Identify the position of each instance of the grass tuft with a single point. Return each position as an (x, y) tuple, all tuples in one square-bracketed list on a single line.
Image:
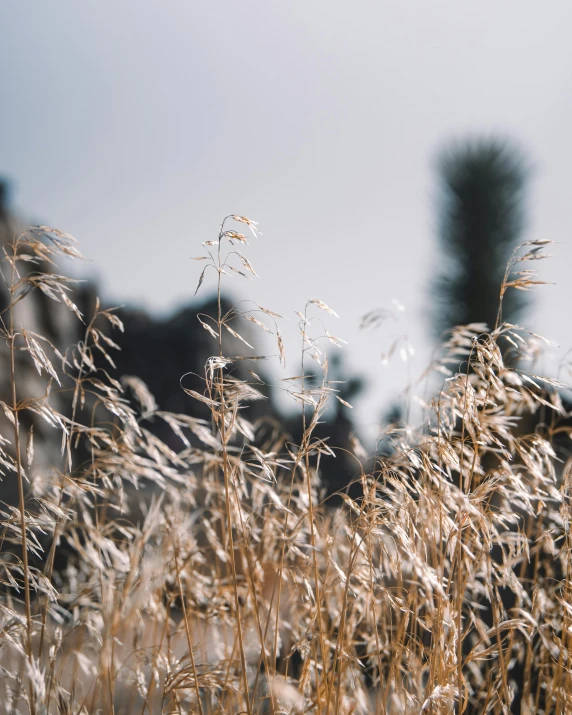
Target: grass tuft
[(215, 579)]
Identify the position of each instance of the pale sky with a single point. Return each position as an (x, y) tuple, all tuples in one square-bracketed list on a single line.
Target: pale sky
[(137, 125)]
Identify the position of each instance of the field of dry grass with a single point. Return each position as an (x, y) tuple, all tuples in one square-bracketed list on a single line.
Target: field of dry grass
[(215, 579)]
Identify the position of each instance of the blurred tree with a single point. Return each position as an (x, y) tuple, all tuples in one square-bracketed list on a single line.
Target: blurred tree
[(481, 220)]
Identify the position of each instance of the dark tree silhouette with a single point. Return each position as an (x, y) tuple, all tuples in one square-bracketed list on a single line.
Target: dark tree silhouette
[(482, 187)]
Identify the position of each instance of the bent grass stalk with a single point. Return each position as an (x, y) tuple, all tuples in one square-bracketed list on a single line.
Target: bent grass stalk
[(13, 334)]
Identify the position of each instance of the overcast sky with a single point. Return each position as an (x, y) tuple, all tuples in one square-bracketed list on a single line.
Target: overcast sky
[(137, 125)]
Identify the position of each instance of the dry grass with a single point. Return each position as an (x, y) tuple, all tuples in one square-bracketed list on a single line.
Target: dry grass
[(214, 580)]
